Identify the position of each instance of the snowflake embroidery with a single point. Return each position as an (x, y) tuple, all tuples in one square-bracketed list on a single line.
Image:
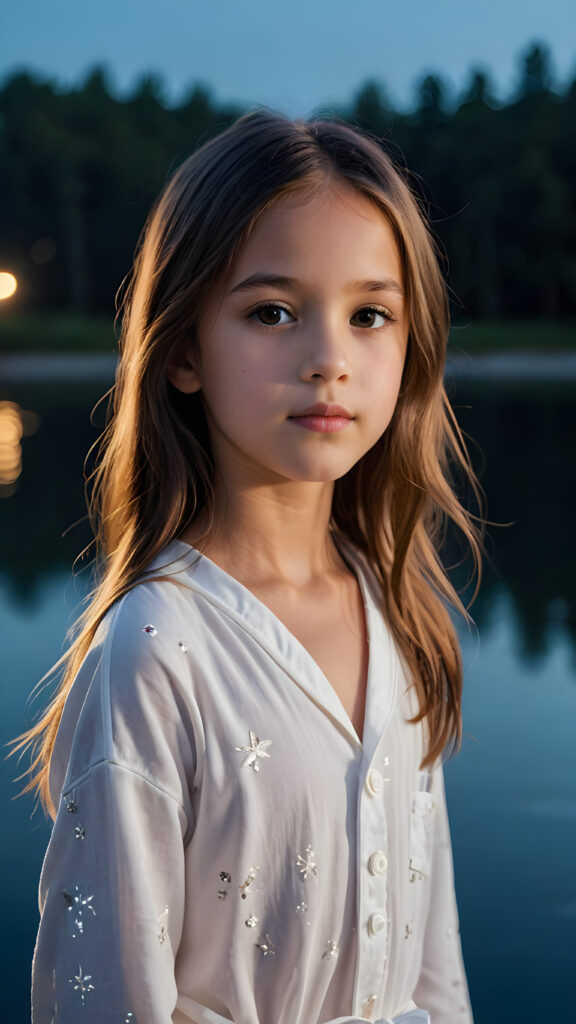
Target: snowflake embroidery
[(248, 881), (307, 864), (83, 983), (162, 924), (266, 948), (257, 749), (415, 873), (80, 904), (331, 950)]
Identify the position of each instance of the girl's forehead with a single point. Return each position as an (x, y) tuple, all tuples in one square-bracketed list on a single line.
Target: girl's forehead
[(330, 233), (302, 202), (334, 224)]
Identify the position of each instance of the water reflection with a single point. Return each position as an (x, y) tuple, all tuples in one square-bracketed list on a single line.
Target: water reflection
[(14, 424), (526, 438), (524, 451)]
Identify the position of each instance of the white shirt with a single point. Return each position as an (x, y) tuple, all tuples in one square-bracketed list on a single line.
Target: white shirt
[(225, 847)]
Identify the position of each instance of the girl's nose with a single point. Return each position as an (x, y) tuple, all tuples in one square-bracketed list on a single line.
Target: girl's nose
[(325, 357)]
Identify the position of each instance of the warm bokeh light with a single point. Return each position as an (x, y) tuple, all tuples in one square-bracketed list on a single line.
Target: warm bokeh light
[(10, 450), (8, 284), (14, 424)]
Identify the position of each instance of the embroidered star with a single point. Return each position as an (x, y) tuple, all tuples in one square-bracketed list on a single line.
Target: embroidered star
[(162, 924), (307, 864), (82, 983), (331, 950), (267, 948), (244, 887), (79, 903), (257, 749)]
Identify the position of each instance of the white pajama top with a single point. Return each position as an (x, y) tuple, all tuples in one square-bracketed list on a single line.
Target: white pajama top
[(225, 847)]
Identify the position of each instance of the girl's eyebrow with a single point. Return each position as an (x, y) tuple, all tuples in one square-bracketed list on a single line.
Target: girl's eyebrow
[(263, 280)]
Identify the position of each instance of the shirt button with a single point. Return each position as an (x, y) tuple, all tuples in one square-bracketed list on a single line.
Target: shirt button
[(376, 923), (377, 863), (374, 782)]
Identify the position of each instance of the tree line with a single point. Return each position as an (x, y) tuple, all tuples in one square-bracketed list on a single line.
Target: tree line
[(80, 169)]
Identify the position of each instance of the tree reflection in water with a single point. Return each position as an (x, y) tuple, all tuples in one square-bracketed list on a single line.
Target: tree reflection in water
[(523, 447)]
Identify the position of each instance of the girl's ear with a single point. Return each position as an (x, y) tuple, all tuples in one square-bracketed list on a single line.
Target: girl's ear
[(183, 375)]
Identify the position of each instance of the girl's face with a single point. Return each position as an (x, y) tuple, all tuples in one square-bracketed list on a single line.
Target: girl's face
[(300, 355)]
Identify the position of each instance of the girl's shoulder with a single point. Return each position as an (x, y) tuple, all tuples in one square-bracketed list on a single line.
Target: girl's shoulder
[(132, 702)]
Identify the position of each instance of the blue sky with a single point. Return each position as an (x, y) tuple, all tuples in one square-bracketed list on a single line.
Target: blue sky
[(296, 56)]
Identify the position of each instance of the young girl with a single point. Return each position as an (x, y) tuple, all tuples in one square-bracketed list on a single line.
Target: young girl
[(244, 757)]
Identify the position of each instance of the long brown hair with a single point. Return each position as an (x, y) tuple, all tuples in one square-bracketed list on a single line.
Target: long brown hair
[(155, 470)]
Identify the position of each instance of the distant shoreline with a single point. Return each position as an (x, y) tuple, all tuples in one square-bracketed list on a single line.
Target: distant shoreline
[(36, 367), (54, 345)]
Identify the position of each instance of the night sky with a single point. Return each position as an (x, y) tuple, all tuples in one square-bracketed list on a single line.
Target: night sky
[(297, 56)]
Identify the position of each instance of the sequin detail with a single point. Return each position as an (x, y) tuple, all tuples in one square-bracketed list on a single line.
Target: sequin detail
[(129, 1018), (150, 630), (257, 749), (225, 876), (307, 865), (415, 874), (248, 881), (71, 807), (183, 647), (80, 832), (251, 921), (331, 950), (162, 923), (83, 983), (302, 907), (266, 948), (80, 904)]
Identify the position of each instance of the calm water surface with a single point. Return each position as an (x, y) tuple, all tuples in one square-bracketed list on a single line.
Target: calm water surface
[(512, 789)]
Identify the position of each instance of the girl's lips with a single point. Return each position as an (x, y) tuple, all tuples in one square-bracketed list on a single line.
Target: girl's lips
[(322, 418), (324, 409), (322, 424)]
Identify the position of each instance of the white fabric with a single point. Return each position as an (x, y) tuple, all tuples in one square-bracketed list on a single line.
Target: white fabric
[(178, 876)]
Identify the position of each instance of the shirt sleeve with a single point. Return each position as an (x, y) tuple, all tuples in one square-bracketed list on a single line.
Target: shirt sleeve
[(112, 889), (111, 899), (442, 988)]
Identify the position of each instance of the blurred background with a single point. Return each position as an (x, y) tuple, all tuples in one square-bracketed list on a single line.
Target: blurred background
[(97, 107)]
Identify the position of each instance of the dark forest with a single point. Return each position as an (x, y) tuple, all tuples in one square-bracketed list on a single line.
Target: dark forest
[(80, 169)]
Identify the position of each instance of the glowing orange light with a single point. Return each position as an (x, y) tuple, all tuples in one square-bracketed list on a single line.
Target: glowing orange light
[(15, 423), (10, 437), (8, 284)]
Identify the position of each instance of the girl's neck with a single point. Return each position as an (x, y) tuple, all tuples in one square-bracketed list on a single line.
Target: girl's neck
[(279, 534)]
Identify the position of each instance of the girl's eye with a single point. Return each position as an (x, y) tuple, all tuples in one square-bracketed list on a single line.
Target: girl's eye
[(272, 315), (370, 316)]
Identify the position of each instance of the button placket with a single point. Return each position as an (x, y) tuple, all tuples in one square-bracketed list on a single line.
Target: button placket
[(372, 894)]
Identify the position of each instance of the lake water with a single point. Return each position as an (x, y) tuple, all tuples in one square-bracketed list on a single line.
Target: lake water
[(512, 789)]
